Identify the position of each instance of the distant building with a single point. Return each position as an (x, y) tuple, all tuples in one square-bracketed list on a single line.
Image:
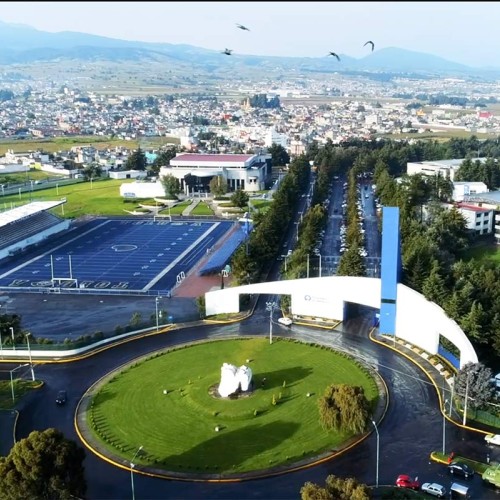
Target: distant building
[(462, 190), (447, 168), (479, 219), (240, 171)]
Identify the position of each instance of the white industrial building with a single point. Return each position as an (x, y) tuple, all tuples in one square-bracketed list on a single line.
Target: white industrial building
[(240, 171), (462, 190), (446, 168), (273, 137)]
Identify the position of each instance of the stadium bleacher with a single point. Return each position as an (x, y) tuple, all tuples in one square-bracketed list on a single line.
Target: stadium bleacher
[(15, 232), (221, 256)]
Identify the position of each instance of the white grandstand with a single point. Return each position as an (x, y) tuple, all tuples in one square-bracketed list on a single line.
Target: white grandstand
[(28, 225)]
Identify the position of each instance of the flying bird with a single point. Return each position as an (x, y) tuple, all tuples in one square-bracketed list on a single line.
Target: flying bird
[(369, 42), (228, 52), (244, 28), (334, 55)]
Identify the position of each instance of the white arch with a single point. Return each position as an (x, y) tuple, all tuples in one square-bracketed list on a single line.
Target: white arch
[(418, 320)]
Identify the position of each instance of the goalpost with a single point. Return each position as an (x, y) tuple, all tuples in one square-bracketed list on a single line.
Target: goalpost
[(57, 281)]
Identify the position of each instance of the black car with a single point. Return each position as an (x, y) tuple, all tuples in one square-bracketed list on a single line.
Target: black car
[(61, 398), (461, 469)]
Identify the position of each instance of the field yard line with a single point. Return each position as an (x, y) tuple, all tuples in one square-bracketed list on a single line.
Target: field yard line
[(52, 250), (158, 277)]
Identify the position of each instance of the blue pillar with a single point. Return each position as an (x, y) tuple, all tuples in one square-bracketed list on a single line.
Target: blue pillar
[(390, 269)]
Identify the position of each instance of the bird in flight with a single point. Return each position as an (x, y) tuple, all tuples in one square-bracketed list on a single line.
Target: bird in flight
[(244, 28), (369, 42), (334, 55), (228, 52)]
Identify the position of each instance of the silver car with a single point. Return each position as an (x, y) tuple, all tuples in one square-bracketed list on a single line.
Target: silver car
[(434, 489)]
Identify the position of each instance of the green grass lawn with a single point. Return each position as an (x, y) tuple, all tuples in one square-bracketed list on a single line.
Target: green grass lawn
[(261, 205), (483, 254), (103, 199), (178, 209), (177, 429), (21, 387), (202, 209)]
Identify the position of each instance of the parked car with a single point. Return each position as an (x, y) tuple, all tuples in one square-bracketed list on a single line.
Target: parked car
[(405, 481), (492, 439), (285, 321), (61, 398), (461, 469), (434, 489)]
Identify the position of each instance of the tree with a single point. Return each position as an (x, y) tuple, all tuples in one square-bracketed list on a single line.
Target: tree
[(279, 155), (92, 171), (43, 465), (171, 185), (137, 160), (351, 263), (240, 198), (336, 488), (475, 379), (344, 408), (163, 159), (218, 186)]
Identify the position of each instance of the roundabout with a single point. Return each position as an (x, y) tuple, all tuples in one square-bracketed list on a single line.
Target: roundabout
[(167, 403)]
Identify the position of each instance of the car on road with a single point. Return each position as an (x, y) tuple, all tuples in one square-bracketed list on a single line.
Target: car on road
[(492, 439), (405, 481), (461, 469), (61, 398), (434, 489), (285, 321)]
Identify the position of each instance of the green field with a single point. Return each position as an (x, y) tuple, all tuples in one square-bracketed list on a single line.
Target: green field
[(177, 429), (483, 254), (202, 209), (63, 143), (85, 198), (21, 387)]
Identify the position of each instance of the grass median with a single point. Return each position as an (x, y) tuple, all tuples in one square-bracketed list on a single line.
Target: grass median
[(168, 404)]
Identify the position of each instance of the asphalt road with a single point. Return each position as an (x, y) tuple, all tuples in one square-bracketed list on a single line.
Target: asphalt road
[(410, 431)]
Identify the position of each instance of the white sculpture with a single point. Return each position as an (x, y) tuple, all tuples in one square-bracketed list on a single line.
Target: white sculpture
[(232, 378)]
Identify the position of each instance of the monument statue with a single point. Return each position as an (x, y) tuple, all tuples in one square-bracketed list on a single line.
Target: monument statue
[(232, 379)]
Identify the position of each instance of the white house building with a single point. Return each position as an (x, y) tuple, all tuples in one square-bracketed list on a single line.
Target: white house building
[(240, 171), (479, 219)]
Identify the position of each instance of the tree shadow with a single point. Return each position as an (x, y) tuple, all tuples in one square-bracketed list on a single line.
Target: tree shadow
[(228, 449), (275, 379)]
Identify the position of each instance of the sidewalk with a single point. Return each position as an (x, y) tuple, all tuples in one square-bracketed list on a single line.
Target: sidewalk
[(187, 211)]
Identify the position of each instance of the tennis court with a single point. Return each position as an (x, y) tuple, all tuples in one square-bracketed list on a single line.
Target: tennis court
[(120, 256)]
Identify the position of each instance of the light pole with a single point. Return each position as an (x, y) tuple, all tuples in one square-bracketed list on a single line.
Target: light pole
[(13, 339), (319, 265), (378, 448), (132, 465), (29, 352), (157, 322), (444, 425), (1, 346), (11, 381), (466, 396), (270, 306)]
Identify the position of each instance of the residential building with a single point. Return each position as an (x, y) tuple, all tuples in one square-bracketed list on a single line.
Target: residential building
[(479, 219)]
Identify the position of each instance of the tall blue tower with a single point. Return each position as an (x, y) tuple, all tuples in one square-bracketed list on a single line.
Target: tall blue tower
[(390, 269)]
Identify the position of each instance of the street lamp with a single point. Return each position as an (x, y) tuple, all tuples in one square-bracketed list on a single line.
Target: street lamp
[(378, 448), (11, 381), (132, 465), (444, 425), (29, 352), (466, 396), (13, 339), (156, 302), (270, 306)]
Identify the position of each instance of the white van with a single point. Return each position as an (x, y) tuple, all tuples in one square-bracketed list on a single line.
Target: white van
[(460, 491)]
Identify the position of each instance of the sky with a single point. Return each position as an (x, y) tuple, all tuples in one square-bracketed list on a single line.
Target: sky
[(464, 32)]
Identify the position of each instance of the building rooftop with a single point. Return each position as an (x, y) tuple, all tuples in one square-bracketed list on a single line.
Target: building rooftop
[(215, 157), (472, 208), (19, 213)]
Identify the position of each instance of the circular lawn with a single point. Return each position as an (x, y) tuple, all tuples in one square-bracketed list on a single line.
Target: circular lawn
[(166, 404)]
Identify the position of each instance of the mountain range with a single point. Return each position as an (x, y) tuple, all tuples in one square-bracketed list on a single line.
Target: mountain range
[(21, 44)]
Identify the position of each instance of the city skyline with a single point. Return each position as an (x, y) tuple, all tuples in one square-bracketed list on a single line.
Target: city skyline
[(463, 32)]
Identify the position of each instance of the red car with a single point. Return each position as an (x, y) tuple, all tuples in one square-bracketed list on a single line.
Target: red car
[(405, 481)]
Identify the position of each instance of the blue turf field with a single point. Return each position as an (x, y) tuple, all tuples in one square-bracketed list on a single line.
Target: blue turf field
[(140, 255)]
